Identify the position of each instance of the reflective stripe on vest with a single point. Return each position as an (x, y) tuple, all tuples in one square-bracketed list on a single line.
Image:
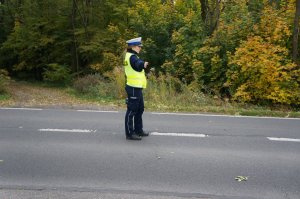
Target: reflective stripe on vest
[(134, 78)]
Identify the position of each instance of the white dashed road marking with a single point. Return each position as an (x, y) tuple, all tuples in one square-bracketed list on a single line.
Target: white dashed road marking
[(283, 139), (205, 135), (95, 111), (180, 134), (69, 130), (29, 109)]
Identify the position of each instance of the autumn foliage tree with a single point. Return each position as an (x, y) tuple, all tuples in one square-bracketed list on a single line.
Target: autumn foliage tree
[(261, 70), (261, 73), (244, 50), (234, 25)]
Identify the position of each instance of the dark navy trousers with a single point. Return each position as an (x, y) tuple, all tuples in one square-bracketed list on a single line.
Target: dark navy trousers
[(135, 110)]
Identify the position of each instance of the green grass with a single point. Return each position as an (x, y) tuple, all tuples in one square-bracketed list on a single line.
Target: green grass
[(166, 94), (4, 97), (294, 114), (221, 109)]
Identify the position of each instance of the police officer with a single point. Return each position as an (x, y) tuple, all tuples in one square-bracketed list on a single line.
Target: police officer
[(135, 83)]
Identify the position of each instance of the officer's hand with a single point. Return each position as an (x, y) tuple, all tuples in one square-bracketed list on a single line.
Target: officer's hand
[(146, 64)]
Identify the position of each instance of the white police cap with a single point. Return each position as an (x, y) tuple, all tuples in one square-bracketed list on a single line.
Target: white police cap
[(135, 42)]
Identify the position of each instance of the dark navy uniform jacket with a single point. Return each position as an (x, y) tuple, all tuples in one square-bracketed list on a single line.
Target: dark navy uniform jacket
[(136, 63)]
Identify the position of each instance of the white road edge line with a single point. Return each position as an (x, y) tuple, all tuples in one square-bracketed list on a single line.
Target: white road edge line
[(95, 111), (283, 139), (234, 116), (68, 130), (180, 134), (30, 109)]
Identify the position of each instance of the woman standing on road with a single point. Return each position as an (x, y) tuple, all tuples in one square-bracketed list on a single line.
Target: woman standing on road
[(135, 83)]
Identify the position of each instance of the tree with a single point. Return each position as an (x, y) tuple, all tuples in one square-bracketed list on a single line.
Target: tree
[(38, 38), (204, 9), (261, 70), (69, 34), (235, 24), (296, 33), (188, 38), (155, 22), (261, 73), (210, 13)]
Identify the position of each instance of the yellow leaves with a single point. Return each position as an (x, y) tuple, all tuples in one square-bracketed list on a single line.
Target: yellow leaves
[(274, 25), (189, 17), (216, 65), (209, 50), (198, 68), (4, 74), (109, 62), (17, 24), (96, 66), (4, 80), (242, 94), (261, 71), (215, 60)]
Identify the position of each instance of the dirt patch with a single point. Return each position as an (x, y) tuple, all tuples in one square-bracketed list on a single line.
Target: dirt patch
[(31, 95)]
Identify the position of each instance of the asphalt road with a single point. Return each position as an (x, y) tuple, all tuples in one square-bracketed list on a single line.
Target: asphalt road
[(84, 154)]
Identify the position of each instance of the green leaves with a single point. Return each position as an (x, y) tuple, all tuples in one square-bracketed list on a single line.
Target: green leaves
[(4, 80), (211, 46), (56, 73)]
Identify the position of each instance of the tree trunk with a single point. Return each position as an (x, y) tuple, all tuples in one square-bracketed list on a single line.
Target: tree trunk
[(296, 32), (75, 64), (167, 1), (203, 9), (210, 14), (217, 15)]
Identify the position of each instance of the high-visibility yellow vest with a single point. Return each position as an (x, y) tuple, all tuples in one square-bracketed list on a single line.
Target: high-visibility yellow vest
[(134, 78)]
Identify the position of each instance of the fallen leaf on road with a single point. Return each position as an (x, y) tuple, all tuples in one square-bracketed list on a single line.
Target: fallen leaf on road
[(241, 178)]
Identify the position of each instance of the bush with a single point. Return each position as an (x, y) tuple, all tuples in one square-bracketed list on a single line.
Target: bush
[(261, 72), (4, 80), (163, 91), (117, 77), (57, 73), (109, 62), (104, 90), (171, 91), (86, 83)]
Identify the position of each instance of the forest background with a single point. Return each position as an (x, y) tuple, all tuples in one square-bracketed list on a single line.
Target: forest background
[(234, 51)]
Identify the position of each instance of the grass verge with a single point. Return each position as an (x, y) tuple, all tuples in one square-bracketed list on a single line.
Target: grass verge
[(160, 96)]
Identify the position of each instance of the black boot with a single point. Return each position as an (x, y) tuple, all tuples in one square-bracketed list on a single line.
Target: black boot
[(143, 133), (133, 137)]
